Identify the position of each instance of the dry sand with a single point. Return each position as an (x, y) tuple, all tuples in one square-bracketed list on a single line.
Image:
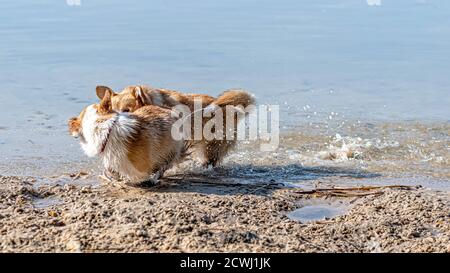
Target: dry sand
[(187, 216)]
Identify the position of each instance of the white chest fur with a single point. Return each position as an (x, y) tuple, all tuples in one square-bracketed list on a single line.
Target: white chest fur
[(108, 139)]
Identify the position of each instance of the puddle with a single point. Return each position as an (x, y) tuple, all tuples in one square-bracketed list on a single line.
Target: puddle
[(316, 212), (41, 203), (62, 180)]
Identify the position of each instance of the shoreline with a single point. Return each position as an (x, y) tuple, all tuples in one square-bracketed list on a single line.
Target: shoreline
[(191, 216)]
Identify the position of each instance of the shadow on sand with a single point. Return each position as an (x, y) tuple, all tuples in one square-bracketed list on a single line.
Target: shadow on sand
[(248, 179)]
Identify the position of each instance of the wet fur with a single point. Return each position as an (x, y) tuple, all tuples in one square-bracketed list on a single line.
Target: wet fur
[(134, 97), (139, 145)]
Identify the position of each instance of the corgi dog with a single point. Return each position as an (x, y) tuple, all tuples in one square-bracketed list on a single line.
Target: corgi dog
[(137, 146), (213, 151), (134, 97)]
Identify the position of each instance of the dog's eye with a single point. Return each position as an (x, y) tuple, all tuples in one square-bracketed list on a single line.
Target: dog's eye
[(126, 110)]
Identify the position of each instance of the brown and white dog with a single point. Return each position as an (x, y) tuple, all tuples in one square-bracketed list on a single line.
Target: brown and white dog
[(134, 97), (138, 146)]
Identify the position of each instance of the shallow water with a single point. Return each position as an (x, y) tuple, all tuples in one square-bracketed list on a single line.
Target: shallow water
[(363, 88), (317, 212)]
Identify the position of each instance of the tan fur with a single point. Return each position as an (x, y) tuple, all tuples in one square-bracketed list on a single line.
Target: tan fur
[(75, 124), (134, 97), (150, 146), (234, 97), (216, 150), (154, 136)]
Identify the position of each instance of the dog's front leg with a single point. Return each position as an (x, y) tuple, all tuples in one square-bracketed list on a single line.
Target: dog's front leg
[(110, 175), (153, 180)]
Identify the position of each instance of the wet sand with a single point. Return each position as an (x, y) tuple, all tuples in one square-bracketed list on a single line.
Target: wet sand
[(355, 109), (188, 215)]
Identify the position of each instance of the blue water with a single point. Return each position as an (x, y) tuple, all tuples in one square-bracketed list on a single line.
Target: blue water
[(344, 58)]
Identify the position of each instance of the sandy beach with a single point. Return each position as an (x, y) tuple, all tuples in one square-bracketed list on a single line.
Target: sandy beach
[(358, 93), (192, 216)]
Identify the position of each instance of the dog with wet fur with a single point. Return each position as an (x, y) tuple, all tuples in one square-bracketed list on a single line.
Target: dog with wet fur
[(211, 152), (137, 146)]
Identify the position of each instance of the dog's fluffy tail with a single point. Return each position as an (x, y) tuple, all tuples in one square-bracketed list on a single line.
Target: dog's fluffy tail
[(232, 97)]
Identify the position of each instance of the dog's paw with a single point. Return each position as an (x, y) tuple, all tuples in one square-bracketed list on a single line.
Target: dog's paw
[(151, 182), (110, 176), (105, 177)]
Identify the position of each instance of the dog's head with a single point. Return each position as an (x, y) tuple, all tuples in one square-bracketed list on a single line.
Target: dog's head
[(94, 111), (128, 100), (74, 124)]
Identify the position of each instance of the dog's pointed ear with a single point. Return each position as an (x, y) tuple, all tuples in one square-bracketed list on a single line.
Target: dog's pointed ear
[(101, 90), (105, 103), (142, 96)]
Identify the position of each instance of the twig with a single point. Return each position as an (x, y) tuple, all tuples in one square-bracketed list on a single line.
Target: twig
[(367, 188), (352, 192)]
